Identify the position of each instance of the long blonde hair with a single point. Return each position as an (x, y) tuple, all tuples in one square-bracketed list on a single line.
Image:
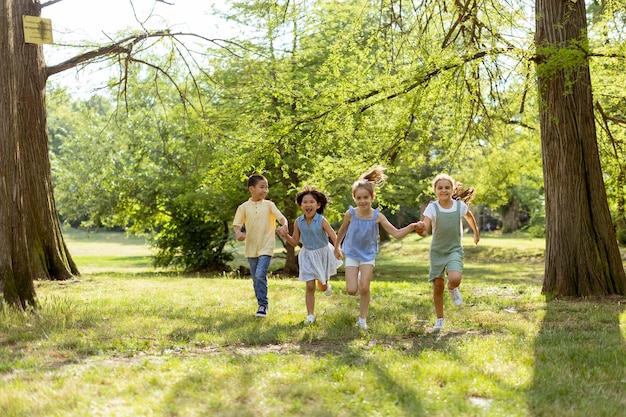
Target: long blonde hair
[(370, 180), (458, 193)]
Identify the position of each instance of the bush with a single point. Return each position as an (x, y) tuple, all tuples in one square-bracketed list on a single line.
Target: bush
[(193, 243)]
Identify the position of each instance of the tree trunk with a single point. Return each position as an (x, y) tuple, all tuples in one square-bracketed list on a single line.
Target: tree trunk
[(291, 264), (582, 256), (31, 242), (510, 218)]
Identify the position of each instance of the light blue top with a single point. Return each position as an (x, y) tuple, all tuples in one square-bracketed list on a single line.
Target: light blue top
[(312, 236), (361, 241)]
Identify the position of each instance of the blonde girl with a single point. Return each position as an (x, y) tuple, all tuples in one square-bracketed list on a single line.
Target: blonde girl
[(446, 251), (359, 236)]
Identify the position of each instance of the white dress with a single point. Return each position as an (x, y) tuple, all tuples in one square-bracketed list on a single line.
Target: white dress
[(319, 263)]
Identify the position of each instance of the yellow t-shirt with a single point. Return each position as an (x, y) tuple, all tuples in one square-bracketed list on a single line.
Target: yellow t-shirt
[(260, 218)]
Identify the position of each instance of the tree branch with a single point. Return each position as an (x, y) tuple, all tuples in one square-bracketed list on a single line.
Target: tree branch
[(125, 46), (49, 3)]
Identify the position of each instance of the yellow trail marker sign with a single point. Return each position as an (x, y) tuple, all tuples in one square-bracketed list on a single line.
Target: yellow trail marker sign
[(37, 29)]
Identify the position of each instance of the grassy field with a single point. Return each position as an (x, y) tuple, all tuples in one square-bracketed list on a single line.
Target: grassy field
[(124, 339)]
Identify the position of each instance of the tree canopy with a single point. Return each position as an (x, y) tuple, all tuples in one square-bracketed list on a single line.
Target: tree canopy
[(315, 92)]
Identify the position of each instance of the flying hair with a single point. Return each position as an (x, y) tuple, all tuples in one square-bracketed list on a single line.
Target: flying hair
[(370, 180), (319, 196), (459, 193)]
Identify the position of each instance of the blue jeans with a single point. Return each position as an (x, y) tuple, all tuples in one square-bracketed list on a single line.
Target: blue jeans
[(258, 269)]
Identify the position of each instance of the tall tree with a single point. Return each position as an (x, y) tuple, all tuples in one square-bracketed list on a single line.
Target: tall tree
[(582, 256), (31, 242)]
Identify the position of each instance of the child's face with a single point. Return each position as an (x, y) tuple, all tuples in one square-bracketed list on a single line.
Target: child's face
[(309, 205), (443, 189), (363, 198), (259, 190)]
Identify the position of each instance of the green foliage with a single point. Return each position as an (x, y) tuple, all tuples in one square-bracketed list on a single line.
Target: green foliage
[(190, 240), (148, 174), (316, 93)]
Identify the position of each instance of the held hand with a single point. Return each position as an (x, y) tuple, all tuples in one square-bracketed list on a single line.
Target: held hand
[(283, 230), (338, 253), (241, 236), (420, 227)]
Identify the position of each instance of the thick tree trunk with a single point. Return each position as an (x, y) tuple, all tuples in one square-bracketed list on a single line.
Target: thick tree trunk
[(31, 242), (582, 256)]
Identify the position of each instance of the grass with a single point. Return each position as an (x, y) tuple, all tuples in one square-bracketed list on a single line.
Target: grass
[(126, 340)]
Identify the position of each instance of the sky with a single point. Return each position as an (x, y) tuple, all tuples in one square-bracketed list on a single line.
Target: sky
[(96, 20)]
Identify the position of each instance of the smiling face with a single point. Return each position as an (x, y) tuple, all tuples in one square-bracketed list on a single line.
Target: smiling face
[(443, 190), (259, 190), (363, 198), (309, 206)]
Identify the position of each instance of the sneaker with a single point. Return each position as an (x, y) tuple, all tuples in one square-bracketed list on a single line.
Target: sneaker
[(329, 289), (362, 324), (262, 311), (438, 324), (310, 319), (455, 295)]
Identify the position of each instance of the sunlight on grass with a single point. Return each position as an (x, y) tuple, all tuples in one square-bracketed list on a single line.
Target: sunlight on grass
[(127, 340)]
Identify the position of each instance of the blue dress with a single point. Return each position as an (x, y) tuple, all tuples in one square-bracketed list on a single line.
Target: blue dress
[(361, 240), (317, 257)]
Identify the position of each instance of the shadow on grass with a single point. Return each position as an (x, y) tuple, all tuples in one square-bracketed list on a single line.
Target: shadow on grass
[(345, 356), (580, 360)]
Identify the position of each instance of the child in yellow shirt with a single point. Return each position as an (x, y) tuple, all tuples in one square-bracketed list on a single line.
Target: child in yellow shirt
[(259, 216)]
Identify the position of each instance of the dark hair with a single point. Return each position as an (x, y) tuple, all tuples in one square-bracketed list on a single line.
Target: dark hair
[(319, 196), (373, 178), (254, 179)]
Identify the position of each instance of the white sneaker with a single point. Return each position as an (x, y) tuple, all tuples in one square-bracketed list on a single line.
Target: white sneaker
[(310, 319), (362, 324), (438, 324), (455, 296), (329, 289)]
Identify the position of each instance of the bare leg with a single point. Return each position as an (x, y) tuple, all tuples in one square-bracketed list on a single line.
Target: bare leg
[(367, 271), (454, 279), (438, 287), (309, 298), (352, 279)]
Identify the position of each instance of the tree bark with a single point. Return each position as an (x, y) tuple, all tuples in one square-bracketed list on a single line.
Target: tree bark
[(290, 211), (31, 242), (582, 256), (510, 218)]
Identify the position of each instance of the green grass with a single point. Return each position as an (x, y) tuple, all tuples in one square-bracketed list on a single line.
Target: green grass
[(124, 339)]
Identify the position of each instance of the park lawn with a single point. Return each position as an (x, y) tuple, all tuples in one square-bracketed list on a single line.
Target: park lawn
[(124, 339)]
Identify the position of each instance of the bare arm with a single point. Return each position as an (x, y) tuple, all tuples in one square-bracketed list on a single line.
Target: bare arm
[(238, 233), (283, 230), (472, 222), (392, 230), (423, 231), (329, 231), (294, 239), (341, 234)]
